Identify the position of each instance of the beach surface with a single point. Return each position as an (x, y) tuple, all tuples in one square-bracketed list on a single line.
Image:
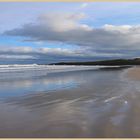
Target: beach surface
[(69, 102), (134, 73)]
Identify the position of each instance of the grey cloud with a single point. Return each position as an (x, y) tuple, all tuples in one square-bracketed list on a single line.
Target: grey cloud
[(68, 29), (23, 51), (49, 55), (107, 41)]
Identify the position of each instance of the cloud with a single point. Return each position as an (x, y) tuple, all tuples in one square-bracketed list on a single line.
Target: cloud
[(49, 55), (67, 28), (83, 5), (54, 23), (27, 51), (20, 49), (59, 22), (106, 41), (2, 56)]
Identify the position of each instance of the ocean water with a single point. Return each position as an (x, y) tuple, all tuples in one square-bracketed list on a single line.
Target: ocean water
[(68, 101)]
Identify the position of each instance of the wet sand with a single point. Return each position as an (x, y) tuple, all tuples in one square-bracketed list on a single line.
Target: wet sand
[(71, 116), (134, 73), (102, 104)]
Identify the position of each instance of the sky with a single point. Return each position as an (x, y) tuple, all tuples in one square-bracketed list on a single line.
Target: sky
[(49, 32)]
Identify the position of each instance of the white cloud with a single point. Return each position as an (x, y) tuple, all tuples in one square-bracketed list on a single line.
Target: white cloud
[(6, 56), (121, 28), (20, 49), (83, 5), (68, 28), (63, 22), (54, 51)]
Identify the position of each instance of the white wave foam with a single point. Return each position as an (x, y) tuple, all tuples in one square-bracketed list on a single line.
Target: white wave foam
[(43, 69)]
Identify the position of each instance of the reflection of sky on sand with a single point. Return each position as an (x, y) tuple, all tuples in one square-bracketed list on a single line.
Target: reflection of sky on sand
[(64, 118), (100, 104), (68, 118), (19, 86), (14, 85), (53, 81)]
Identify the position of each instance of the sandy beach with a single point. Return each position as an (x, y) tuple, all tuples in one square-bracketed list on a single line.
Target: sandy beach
[(87, 103), (134, 73)]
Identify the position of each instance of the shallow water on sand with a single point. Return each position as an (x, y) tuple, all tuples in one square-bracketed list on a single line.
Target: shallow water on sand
[(84, 103)]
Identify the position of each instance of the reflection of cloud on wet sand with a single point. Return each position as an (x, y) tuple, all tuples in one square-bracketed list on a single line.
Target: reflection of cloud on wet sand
[(80, 117), (89, 110)]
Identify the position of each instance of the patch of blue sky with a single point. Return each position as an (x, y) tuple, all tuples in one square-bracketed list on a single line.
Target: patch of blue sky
[(16, 42)]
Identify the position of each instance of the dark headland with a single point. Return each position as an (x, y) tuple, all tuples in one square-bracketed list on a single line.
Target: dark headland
[(135, 61)]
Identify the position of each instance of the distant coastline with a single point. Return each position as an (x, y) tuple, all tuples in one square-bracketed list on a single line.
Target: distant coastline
[(114, 62)]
